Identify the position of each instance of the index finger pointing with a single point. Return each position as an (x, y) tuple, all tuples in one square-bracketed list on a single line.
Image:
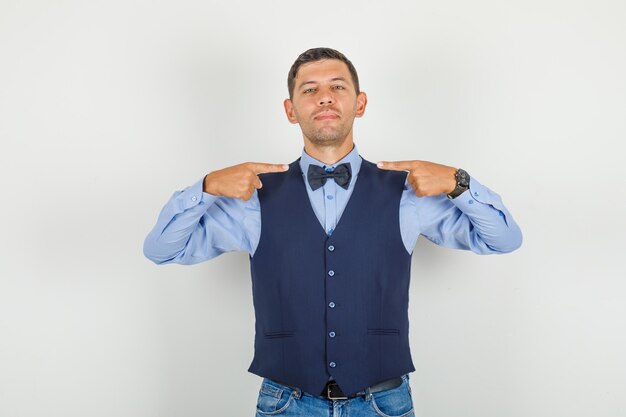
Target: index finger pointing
[(261, 167), (396, 165)]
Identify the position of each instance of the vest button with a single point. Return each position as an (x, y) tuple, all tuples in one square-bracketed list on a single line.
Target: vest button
[(332, 364), (331, 248), (331, 334), (331, 305), (331, 273)]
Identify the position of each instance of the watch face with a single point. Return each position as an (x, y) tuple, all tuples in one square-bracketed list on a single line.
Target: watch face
[(462, 178)]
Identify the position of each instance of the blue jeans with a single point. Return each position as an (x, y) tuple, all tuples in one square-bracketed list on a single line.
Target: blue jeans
[(279, 400)]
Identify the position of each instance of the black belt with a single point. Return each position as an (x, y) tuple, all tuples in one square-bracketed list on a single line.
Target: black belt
[(333, 392)]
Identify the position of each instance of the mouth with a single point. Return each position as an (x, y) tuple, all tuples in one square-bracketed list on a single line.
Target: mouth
[(326, 116)]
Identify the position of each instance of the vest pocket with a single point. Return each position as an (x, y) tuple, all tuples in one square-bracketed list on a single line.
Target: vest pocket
[(383, 332), (278, 335)]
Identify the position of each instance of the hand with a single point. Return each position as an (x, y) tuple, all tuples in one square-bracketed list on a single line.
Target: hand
[(426, 178), (239, 181)]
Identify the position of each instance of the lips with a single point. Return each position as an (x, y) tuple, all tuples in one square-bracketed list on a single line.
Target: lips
[(326, 116)]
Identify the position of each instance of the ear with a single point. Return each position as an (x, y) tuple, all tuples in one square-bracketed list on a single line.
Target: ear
[(361, 103), (291, 115)]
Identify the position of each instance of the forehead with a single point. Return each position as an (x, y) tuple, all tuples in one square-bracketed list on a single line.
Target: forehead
[(319, 71)]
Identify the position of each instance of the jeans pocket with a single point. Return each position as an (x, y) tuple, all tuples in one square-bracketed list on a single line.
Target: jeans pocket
[(395, 402), (273, 400)]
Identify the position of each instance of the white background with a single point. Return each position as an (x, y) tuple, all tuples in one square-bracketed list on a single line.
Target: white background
[(107, 108)]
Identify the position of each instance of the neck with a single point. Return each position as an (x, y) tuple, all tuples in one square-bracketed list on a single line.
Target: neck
[(329, 154)]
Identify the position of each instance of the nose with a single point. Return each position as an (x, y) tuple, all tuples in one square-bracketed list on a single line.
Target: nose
[(325, 98)]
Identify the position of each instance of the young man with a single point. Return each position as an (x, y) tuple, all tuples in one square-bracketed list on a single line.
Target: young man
[(330, 238)]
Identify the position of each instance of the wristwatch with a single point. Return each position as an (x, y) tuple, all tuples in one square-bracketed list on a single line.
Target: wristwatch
[(462, 183)]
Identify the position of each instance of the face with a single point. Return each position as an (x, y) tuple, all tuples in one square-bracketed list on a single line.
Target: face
[(325, 102)]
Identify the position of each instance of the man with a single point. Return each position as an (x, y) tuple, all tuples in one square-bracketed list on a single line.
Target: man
[(330, 238)]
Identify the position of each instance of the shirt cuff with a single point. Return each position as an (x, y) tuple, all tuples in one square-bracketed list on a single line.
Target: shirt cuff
[(193, 196), (476, 196)]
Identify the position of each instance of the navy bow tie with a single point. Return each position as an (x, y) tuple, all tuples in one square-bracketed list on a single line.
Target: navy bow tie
[(317, 175)]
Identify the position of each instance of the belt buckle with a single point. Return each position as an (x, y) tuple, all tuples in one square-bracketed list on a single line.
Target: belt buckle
[(329, 392)]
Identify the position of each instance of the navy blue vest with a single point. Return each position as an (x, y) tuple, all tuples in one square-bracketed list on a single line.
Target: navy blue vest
[(331, 305)]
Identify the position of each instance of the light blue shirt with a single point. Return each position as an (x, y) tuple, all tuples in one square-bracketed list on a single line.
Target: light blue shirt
[(195, 226)]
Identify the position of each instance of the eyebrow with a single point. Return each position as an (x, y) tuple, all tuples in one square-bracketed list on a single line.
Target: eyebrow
[(315, 82)]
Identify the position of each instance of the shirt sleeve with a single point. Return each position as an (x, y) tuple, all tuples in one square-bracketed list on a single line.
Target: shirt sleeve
[(477, 220), (195, 226)]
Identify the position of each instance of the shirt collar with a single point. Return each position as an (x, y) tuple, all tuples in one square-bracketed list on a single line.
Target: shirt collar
[(352, 157)]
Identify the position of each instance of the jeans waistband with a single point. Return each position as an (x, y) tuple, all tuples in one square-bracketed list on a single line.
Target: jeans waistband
[(378, 387)]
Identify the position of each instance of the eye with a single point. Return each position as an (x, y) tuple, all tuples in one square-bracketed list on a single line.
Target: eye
[(339, 87), (309, 90)]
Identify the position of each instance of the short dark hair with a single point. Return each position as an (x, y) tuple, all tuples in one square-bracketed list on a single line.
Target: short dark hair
[(318, 54)]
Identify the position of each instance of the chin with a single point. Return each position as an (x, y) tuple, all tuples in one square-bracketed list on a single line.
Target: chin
[(327, 141)]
